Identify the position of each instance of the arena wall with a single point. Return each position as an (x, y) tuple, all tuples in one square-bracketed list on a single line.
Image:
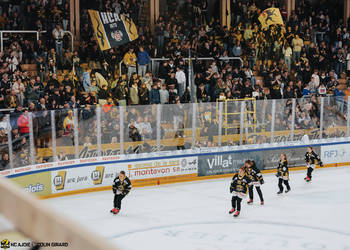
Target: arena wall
[(95, 174)]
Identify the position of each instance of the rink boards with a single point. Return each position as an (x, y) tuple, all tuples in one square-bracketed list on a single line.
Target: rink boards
[(94, 174)]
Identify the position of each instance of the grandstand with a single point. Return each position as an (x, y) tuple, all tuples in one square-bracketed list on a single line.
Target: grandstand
[(177, 77)]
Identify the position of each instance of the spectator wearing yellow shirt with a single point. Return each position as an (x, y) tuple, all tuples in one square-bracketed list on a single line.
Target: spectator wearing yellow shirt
[(68, 123), (248, 33), (130, 62), (297, 43)]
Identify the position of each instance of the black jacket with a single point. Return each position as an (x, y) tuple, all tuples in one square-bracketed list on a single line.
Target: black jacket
[(121, 187), (310, 158), (240, 183)]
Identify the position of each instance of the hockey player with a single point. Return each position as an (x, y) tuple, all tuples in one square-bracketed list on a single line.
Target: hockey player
[(255, 175), (283, 174), (310, 159), (239, 188), (121, 187)]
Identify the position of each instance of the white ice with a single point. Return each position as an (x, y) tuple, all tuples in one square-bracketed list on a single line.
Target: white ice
[(194, 215)]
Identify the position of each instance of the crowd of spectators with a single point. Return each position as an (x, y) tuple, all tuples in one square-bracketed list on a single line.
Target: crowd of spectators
[(304, 58)]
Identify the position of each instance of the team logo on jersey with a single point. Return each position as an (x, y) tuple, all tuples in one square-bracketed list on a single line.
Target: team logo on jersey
[(97, 175), (59, 180), (117, 35), (5, 244)]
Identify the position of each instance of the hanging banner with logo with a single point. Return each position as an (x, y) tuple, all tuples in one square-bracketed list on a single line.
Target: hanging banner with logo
[(112, 29)]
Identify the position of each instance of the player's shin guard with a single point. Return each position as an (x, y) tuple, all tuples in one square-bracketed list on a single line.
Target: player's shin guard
[(309, 172), (280, 185), (286, 183), (251, 193), (258, 189), (239, 200)]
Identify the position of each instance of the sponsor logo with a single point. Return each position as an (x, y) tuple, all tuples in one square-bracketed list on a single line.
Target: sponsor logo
[(35, 188), (5, 244), (117, 35), (334, 153), (59, 180), (97, 175), (183, 162), (221, 161)]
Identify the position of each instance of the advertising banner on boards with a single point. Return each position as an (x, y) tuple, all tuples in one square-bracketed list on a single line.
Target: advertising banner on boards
[(335, 153), (295, 157), (225, 163)]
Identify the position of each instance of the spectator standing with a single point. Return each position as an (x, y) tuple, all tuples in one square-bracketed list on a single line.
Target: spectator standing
[(58, 34), (297, 43), (134, 94), (164, 94), (154, 95), (143, 60), (130, 62), (181, 81)]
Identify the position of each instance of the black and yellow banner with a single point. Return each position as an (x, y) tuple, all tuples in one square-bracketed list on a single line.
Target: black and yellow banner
[(269, 17), (112, 29)]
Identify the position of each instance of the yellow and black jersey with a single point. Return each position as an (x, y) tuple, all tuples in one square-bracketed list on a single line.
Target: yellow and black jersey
[(121, 186), (282, 170), (310, 158), (240, 183), (254, 173)]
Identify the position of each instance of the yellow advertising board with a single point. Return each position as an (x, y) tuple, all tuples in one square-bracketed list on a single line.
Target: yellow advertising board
[(38, 183)]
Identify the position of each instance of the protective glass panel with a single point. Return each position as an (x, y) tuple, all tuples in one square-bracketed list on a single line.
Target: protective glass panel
[(334, 117), (283, 120), (110, 130), (307, 118), (176, 126), (42, 136), (231, 122), (87, 131), (257, 122), (5, 129), (140, 129), (20, 138), (64, 119), (207, 122)]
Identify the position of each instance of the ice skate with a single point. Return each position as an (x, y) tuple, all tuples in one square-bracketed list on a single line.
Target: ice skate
[(231, 211)]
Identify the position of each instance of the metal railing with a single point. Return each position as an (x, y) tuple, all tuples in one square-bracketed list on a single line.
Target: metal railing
[(48, 136), (153, 60), (30, 32), (18, 31)]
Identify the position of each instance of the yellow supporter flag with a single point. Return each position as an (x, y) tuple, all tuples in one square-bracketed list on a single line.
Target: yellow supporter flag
[(269, 17)]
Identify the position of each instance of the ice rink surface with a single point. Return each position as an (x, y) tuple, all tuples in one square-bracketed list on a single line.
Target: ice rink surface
[(191, 216)]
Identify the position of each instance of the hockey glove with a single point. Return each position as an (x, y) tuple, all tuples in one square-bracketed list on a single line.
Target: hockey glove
[(231, 189), (262, 181), (114, 190), (321, 164)]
